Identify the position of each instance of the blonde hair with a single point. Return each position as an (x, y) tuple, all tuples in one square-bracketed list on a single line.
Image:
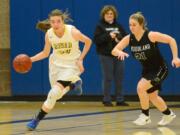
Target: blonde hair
[(107, 8), (138, 16), (65, 15)]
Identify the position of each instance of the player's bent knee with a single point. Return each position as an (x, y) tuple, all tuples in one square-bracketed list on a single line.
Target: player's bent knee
[(54, 94), (140, 90)]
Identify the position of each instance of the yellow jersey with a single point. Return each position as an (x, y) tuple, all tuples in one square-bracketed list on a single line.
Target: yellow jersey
[(66, 47)]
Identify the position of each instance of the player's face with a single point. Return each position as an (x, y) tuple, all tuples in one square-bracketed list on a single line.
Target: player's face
[(56, 22), (134, 26), (109, 16)]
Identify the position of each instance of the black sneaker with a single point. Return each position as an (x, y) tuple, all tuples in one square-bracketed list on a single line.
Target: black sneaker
[(109, 104), (122, 104)]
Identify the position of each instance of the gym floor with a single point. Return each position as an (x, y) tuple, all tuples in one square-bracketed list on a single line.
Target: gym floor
[(83, 118)]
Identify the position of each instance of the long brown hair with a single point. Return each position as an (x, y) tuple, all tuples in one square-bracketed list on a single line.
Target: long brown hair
[(44, 25)]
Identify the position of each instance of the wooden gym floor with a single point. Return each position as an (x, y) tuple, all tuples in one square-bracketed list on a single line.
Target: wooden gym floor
[(83, 118)]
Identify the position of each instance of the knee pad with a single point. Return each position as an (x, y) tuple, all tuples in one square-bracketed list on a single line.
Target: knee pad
[(154, 88), (54, 94)]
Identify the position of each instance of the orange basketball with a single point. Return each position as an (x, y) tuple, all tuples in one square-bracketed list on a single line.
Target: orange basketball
[(22, 63)]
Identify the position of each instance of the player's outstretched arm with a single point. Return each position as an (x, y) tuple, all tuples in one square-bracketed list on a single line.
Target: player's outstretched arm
[(44, 53), (82, 38), (164, 38), (117, 51), (87, 44)]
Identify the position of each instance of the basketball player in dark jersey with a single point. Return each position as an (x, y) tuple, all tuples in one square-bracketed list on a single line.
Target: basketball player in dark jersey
[(143, 45)]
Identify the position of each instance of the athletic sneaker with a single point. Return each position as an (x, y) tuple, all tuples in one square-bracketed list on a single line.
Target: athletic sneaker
[(166, 119), (32, 124), (78, 87), (142, 120)]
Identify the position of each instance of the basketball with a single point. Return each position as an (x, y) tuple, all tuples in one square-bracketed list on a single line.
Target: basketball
[(22, 63)]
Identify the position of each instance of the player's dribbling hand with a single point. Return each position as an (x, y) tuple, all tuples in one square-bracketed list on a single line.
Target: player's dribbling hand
[(80, 65), (122, 55), (176, 62)]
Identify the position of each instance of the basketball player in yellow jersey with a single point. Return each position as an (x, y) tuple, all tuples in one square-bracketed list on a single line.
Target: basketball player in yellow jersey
[(65, 63)]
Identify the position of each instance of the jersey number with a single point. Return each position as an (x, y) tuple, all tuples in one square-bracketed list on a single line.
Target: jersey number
[(140, 56), (67, 51)]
